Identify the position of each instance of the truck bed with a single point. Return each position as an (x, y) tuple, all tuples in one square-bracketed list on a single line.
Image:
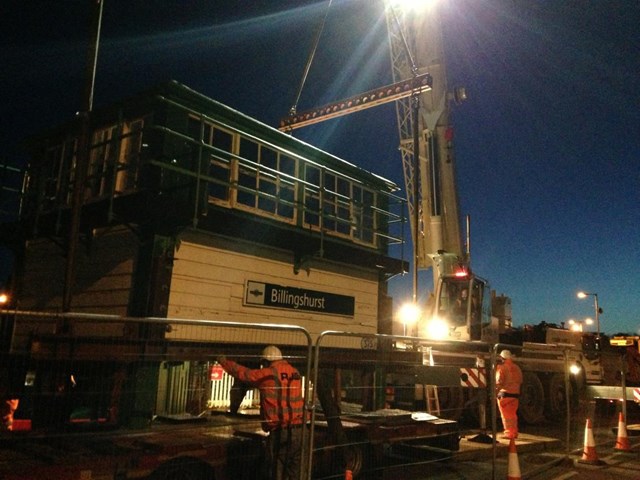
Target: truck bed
[(91, 453)]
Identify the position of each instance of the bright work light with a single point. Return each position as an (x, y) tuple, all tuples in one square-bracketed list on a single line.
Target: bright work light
[(411, 5)]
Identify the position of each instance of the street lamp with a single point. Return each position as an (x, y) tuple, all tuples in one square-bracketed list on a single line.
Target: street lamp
[(574, 326), (598, 310), (408, 314), (578, 325)]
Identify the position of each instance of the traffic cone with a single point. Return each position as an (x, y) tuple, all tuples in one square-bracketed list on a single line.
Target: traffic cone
[(622, 442), (348, 475), (589, 454), (513, 469)]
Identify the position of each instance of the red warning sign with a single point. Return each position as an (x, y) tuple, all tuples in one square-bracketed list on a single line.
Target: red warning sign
[(473, 377), (215, 373)]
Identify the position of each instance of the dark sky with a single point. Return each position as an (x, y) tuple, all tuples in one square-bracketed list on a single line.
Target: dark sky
[(547, 146)]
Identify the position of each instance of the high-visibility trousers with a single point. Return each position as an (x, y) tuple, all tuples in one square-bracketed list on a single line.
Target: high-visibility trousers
[(508, 407)]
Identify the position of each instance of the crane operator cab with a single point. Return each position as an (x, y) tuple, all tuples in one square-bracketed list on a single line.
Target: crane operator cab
[(461, 309)]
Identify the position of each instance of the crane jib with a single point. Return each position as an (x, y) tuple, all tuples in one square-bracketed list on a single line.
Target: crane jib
[(372, 98)]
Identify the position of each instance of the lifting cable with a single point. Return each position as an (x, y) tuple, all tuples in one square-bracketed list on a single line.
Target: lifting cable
[(294, 107)]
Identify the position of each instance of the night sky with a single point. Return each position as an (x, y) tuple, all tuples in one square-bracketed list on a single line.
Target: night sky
[(547, 146)]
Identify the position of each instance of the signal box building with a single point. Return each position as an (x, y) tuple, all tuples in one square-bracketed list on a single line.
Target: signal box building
[(189, 209)]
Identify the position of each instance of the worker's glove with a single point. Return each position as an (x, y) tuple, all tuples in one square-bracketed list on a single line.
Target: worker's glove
[(221, 359)]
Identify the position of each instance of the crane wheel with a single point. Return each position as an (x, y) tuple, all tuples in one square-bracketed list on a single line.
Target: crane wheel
[(531, 405), (556, 396)]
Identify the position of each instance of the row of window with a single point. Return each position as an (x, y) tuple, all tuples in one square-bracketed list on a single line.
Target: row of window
[(233, 170), (114, 163), (248, 174)]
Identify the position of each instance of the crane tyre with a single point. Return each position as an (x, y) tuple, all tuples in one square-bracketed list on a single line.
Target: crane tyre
[(556, 397), (531, 405)]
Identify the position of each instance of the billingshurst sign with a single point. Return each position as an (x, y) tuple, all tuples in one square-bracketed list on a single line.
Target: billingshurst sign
[(261, 294)]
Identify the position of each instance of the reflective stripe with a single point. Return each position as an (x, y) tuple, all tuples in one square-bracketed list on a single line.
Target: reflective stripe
[(281, 400)]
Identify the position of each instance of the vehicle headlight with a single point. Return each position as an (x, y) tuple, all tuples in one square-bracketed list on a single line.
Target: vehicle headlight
[(436, 329)]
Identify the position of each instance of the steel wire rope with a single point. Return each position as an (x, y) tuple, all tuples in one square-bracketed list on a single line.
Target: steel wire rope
[(294, 107)]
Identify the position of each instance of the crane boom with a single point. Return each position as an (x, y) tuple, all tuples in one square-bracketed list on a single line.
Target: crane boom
[(438, 217), (372, 98), (418, 70)]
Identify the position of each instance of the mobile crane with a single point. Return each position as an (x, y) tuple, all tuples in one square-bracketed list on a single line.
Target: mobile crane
[(463, 306)]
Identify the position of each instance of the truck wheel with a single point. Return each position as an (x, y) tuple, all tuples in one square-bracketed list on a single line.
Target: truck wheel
[(531, 405), (556, 397), (451, 400), (183, 468)]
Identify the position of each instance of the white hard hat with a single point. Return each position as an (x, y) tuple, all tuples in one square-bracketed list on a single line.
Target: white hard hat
[(505, 354), (272, 353)]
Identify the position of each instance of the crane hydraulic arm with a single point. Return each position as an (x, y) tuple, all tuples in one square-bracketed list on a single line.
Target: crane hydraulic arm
[(416, 47)]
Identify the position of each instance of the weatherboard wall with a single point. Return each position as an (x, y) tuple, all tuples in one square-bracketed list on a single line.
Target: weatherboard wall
[(210, 278), (103, 276)]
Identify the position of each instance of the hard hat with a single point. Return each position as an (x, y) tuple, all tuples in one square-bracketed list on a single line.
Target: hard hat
[(505, 354), (272, 353)]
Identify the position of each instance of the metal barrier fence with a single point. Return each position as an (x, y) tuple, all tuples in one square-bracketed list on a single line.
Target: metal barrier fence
[(399, 399), (545, 361), (401, 412), (102, 396), (375, 402)]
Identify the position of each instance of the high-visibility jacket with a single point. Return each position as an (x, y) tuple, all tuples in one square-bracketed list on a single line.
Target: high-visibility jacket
[(280, 385), (7, 408), (508, 377)]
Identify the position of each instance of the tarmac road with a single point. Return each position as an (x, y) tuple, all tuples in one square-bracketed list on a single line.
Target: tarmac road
[(541, 453)]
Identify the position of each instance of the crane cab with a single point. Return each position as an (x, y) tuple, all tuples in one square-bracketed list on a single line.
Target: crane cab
[(461, 308)]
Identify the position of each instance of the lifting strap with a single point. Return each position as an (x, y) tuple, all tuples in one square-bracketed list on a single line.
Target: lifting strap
[(294, 107)]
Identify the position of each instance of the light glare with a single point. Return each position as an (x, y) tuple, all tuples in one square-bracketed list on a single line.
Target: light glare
[(409, 313), (437, 329), (413, 6)]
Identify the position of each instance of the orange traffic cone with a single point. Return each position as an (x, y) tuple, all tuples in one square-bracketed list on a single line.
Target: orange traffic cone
[(589, 454), (622, 442), (513, 469), (348, 475)]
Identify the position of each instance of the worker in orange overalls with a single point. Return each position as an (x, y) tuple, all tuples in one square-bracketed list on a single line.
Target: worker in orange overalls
[(8, 407), (508, 382), (281, 409)]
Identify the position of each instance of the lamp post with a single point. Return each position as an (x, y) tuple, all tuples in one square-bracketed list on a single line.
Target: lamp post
[(409, 314), (578, 325), (595, 297)]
